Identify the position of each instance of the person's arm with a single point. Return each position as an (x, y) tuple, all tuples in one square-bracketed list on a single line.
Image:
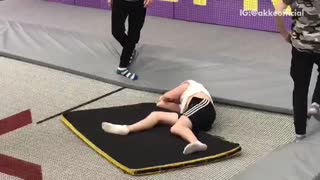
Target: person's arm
[(147, 3), (167, 98), (169, 106), (109, 3), (174, 94), (279, 10)]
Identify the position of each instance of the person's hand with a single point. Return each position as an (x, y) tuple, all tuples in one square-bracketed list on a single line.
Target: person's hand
[(160, 98), (287, 36), (109, 3), (147, 3), (164, 98)]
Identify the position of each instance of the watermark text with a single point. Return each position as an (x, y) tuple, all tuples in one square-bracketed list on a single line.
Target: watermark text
[(268, 12)]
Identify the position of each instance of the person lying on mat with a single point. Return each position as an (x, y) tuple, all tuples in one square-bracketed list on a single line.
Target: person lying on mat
[(192, 111)]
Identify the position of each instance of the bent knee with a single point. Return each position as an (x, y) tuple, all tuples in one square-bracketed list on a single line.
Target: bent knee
[(115, 33), (173, 129)]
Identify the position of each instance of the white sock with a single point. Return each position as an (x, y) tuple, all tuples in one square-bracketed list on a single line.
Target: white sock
[(314, 109), (194, 147), (315, 105), (115, 129), (299, 137)]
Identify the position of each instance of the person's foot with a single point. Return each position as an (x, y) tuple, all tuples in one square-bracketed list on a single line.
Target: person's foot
[(115, 129), (126, 73), (299, 137), (194, 147), (133, 57), (314, 111)]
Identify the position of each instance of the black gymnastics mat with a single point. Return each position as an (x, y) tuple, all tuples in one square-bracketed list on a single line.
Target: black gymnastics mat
[(145, 152)]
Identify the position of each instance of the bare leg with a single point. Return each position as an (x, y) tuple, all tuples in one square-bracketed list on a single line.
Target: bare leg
[(149, 122), (183, 129), (169, 105), (153, 119)]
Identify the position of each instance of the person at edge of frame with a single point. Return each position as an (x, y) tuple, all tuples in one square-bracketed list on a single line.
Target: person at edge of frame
[(305, 41)]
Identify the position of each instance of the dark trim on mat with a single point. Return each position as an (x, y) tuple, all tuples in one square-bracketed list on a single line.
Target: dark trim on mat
[(155, 169), (83, 104), (272, 109)]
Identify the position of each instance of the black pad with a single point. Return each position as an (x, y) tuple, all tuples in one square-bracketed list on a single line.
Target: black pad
[(143, 152)]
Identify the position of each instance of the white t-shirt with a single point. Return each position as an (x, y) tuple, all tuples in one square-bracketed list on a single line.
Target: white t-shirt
[(193, 88)]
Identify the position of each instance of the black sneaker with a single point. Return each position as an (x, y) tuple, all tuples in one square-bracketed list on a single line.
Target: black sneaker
[(126, 73)]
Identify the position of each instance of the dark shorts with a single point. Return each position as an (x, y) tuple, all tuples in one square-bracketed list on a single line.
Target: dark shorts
[(201, 113)]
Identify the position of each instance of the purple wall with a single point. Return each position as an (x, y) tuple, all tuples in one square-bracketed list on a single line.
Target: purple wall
[(71, 2), (226, 13), (221, 12), (104, 4), (88, 3), (161, 9)]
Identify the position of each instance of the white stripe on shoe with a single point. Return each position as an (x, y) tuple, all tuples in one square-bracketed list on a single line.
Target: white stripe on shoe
[(126, 73)]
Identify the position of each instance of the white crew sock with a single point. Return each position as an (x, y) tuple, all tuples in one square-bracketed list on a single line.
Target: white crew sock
[(194, 147), (115, 129)]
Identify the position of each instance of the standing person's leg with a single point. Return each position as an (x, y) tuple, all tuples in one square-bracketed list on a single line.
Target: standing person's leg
[(315, 106), (149, 122), (301, 70), (118, 19), (120, 12), (137, 15)]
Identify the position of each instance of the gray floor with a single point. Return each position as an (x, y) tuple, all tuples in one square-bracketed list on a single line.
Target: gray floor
[(44, 91), (294, 161), (63, 155), (202, 38), (238, 66)]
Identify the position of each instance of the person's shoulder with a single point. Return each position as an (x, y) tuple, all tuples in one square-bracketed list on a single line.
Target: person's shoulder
[(189, 81), (192, 81)]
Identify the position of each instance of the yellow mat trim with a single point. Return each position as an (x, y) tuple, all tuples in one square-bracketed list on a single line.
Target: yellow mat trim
[(190, 162), (136, 171), (94, 147)]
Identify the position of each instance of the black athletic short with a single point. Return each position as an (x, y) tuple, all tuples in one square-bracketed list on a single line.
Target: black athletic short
[(202, 114)]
